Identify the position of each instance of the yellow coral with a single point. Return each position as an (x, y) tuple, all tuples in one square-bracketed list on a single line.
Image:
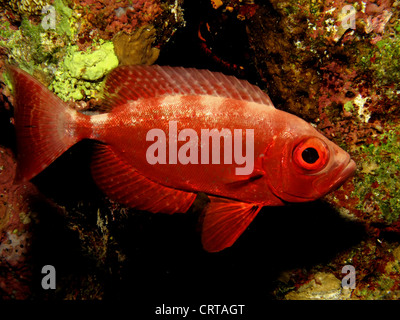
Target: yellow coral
[(25, 7)]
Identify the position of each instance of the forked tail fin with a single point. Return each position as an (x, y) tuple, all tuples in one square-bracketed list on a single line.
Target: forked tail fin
[(45, 125)]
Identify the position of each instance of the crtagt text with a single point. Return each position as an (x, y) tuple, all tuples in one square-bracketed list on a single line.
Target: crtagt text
[(204, 309)]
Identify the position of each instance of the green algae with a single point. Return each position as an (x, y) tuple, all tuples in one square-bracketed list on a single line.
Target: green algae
[(65, 14), (34, 47), (7, 81), (382, 59), (31, 47), (348, 106), (378, 185), (381, 288), (21, 49), (5, 30), (387, 63), (32, 35)]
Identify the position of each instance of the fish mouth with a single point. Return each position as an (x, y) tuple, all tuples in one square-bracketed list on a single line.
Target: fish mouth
[(324, 184), (343, 174)]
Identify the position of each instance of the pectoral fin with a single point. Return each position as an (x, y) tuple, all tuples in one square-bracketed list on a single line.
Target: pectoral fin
[(224, 221)]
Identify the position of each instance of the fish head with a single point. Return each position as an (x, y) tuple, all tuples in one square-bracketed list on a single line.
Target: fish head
[(303, 165)]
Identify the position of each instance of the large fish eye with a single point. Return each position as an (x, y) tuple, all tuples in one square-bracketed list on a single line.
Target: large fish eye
[(311, 154)]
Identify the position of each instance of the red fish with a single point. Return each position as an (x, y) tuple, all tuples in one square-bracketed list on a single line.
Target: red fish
[(173, 132)]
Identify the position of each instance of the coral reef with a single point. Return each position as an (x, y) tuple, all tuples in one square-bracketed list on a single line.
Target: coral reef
[(376, 276), (324, 286), (72, 54), (24, 7), (373, 195), (336, 64), (108, 18), (305, 41)]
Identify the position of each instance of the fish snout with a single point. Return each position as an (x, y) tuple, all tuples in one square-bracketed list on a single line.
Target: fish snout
[(337, 177)]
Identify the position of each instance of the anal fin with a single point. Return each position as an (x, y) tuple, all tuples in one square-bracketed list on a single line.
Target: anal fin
[(124, 184), (224, 221)]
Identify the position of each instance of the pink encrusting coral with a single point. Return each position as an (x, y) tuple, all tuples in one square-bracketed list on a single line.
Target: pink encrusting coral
[(108, 17)]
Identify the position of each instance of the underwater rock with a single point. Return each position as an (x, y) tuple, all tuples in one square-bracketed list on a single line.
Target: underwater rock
[(378, 273), (286, 67), (314, 61), (324, 286), (373, 196), (343, 75), (16, 221), (336, 64), (109, 18)]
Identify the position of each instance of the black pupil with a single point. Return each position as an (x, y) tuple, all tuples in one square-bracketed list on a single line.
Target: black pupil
[(310, 155)]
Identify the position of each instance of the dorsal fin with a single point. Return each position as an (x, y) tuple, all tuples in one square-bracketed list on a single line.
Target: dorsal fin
[(129, 83)]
